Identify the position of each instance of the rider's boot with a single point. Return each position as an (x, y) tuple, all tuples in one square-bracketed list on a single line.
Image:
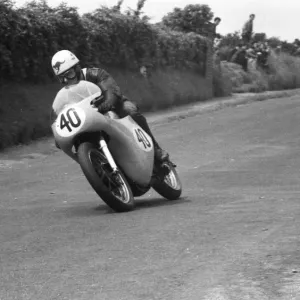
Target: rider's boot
[(160, 155)]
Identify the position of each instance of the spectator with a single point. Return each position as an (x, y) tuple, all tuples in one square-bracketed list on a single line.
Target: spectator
[(146, 70), (217, 21), (143, 71), (217, 42), (267, 47), (295, 44), (217, 59), (234, 50), (262, 57), (297, 52), (240, 58), (255, 46), (251, 56), (278, 50), (248, 30), (251, 51)]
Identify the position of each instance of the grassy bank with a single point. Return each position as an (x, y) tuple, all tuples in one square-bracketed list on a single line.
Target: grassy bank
[(32, 34), (25, 108), (284, 73)]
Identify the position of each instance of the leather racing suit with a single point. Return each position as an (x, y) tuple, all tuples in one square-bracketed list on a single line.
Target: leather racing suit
[(115, 101)]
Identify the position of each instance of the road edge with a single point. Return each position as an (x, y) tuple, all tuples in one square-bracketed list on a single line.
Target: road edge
[(169, 115), (196, 108)]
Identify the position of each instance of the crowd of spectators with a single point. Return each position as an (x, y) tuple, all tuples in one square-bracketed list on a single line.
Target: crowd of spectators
[(248, 52), (255, 54)]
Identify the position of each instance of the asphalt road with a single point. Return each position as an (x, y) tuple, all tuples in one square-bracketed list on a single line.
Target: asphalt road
[(234, 234)]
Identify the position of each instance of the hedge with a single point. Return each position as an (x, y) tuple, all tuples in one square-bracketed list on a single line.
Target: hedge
[(32, 34)]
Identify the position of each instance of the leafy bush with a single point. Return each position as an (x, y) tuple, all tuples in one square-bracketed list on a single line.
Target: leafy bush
[(284, 72), (192, 18), (32, 34), (222, 84)]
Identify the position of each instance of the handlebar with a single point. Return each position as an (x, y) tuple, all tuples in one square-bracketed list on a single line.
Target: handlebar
[(97, 101)]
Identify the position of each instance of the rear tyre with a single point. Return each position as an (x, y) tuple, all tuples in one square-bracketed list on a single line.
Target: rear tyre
[(167, 182), (113, 188)]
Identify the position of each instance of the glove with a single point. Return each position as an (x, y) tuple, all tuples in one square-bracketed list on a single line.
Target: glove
[(104, 107)]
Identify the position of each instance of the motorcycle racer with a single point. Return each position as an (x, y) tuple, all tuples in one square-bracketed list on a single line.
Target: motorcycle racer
[(66, 66)]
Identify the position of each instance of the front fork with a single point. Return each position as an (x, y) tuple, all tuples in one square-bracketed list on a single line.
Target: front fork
[(106, 152)]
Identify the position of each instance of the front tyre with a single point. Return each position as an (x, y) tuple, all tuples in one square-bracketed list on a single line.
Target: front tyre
[(113, 188), (167, 182)]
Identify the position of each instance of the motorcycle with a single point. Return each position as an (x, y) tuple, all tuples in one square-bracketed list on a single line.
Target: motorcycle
[(115, 154)]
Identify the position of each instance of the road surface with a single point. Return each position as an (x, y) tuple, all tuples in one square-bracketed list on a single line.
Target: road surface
[(234, 234)]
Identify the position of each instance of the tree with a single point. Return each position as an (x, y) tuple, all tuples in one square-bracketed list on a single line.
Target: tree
[(288, 47), (274, 42), (231, 40), (139, 7), (192, 18), (296, 42), (118, 6), (137, 13)]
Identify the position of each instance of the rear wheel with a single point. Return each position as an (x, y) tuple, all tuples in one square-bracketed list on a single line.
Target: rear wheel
[(112, 187), (167, 182)]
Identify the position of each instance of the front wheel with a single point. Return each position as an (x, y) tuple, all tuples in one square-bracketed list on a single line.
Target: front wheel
[(167, 182), (113, 188)]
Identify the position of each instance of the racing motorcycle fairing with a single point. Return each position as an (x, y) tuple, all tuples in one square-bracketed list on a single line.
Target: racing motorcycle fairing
[(75, 116)]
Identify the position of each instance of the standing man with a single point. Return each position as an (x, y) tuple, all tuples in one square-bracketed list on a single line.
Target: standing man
[(217, 21), (248, 30)]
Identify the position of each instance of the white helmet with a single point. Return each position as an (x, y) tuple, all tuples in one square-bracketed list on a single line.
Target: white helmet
[(62, 61)]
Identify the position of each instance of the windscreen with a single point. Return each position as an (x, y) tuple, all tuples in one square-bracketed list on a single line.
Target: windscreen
[(73, 94)]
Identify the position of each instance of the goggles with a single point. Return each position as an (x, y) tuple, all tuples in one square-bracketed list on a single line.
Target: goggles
[(70, 74)]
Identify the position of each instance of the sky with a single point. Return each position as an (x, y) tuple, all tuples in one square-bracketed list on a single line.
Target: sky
[(278, 18)]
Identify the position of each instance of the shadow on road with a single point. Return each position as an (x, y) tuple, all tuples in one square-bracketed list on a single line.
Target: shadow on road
[(155, 202), (84, 210)]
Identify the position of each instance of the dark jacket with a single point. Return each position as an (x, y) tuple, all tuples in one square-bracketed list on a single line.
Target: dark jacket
[(248, 28), (240, 58), (113, 98), (232, 52)]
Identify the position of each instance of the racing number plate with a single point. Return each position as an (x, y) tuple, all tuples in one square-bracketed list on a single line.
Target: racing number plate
[(70, 121), (142, 139)]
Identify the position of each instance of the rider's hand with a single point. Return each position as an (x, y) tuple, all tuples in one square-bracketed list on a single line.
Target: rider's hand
[(96, 102), (104, 107)]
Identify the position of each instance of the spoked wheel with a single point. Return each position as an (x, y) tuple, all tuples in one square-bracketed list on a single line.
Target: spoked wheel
[(114, 182), (167, 182), (111, 186)]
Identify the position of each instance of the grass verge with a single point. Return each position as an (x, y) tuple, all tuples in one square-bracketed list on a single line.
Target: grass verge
[(284, 73)]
